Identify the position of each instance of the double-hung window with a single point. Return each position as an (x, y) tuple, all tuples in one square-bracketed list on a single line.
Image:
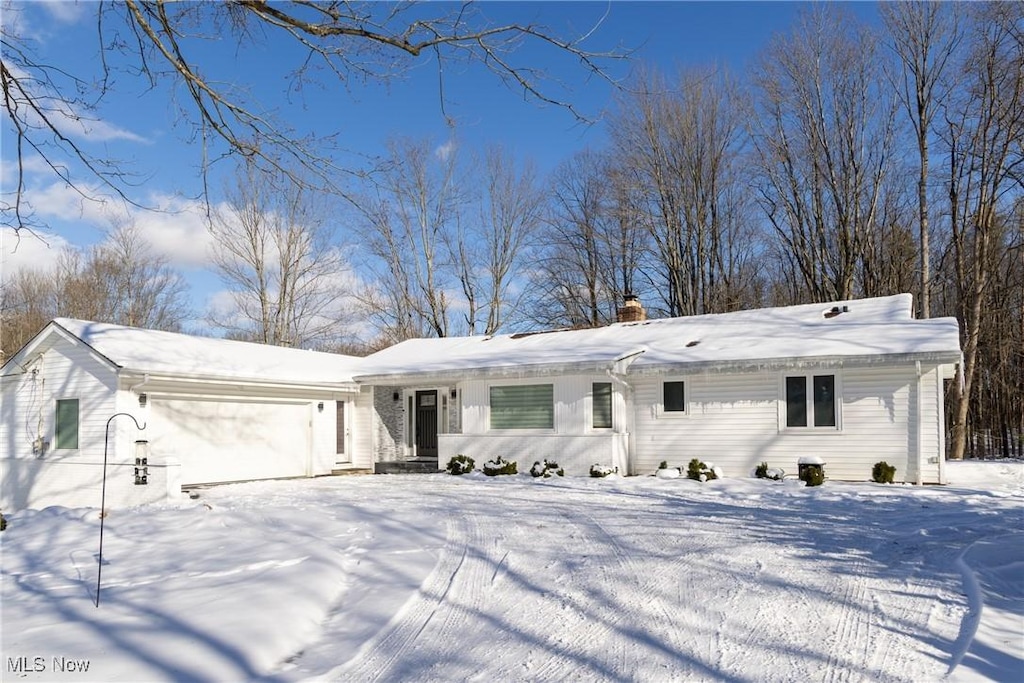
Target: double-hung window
[(67, 423), (811, 401), (601, 405), (523, 406)]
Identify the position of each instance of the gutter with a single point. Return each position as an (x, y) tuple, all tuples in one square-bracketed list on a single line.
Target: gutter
[(180, 379)]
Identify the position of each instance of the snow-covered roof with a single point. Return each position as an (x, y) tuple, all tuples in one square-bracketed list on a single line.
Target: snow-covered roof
[(180, 355), (865, 330)]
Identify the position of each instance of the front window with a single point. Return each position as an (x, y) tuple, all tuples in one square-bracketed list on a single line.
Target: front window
[(67, 423), (526, 406), (810, 398), (602, 405), (674, 397)]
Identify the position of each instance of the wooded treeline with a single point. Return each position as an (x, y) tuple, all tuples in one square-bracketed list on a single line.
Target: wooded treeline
[(850, 161)]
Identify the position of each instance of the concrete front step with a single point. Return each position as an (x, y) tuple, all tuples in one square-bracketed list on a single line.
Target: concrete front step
[(351, 470), (420, 466)]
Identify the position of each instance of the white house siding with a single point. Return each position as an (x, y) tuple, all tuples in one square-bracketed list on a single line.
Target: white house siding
[(573, 453), (733, 420), (932, 426), (362, 429), (68, 477), (572, 442)]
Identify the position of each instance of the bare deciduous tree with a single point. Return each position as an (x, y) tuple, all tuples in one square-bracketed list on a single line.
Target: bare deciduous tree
[(925, 35), (120, 281), (824, 137), (420, 201), (681, 144), (491, 251), (593, 244), (332, 43), (984, 134), (273, 249)]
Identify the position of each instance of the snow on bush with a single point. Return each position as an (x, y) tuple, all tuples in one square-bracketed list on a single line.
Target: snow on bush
[(762, 471), (499, 465), (700, 471), (547, 468), (460, 464), (667, 473), (597, 470)]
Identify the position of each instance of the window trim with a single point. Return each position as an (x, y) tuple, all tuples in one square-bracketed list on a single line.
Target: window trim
[(521, 430), (57, 424), (808, 377), (660, 410)]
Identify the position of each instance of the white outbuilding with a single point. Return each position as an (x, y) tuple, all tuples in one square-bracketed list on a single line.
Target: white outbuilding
[(170, 411)]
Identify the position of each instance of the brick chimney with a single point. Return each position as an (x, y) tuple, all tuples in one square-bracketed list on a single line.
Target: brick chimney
[(631, 311)]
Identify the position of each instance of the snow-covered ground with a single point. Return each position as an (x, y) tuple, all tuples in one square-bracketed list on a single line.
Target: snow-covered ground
[(432, 577)]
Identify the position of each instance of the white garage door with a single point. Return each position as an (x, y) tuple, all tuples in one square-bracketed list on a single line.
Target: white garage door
[(219, 441)]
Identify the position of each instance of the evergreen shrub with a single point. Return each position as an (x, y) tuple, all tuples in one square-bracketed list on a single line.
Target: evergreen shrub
[(883, 473), (762, 471), (547, 468), (813, 476), (699, 471), (460, 464), (499, 465)]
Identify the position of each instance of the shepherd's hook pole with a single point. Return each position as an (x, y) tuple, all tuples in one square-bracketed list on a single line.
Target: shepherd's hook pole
[(103, 495)]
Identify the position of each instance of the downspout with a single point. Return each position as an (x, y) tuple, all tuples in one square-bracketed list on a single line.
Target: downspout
[(617, 373), (135, 387)]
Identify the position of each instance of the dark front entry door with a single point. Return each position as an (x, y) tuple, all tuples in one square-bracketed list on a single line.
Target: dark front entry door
[(426, 423)]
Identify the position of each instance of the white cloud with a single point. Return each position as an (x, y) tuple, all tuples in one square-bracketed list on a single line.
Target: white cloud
[(177, 231), (63, 11), (71, 120), (175, 228), (26, 251), (444, 151)]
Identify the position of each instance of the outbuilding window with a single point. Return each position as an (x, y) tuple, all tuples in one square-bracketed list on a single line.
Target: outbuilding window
[(67, 423), (523, 406), (811, 401)]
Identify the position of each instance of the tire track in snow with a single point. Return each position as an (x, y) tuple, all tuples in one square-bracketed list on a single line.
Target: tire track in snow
[(642, 588), (435, 607)]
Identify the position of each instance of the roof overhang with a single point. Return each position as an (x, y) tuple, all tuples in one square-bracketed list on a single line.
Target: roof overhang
[(17, 364), (186, 381), (637, 368)]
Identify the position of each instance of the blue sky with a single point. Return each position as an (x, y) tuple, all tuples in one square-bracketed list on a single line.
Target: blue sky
[(141, 125)]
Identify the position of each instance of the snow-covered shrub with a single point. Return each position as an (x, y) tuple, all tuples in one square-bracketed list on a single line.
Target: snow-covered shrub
[(668, 473), (547, 468), (598, 471), (883, 473), (700, 471), (460, 464), (500, 465), (762, 471)]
